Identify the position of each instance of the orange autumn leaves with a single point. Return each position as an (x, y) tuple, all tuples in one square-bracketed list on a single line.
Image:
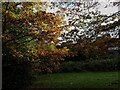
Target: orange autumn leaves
[(30, 35)]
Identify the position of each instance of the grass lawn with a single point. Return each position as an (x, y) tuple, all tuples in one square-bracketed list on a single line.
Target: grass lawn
[(78, 80)]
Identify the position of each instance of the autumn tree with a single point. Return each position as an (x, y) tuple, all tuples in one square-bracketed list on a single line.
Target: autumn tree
[(89, 31), (30, 35)]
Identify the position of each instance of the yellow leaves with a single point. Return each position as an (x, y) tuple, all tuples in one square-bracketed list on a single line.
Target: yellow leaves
[(52, 42), (52, 47), (10, 15), (33, 33), (65, 49), (43, 53), (43, 25), (28, 13)]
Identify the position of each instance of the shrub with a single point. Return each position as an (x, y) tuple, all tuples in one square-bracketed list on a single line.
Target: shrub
[(90, 65)]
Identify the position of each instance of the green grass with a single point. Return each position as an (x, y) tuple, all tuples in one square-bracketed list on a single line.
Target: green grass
[(78, 80)]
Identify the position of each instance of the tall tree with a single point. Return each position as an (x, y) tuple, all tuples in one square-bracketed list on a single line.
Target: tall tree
[(30, 34)]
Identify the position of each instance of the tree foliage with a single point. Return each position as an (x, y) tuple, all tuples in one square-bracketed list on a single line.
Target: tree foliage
[(31, 32), (31, 36), (90, 32)]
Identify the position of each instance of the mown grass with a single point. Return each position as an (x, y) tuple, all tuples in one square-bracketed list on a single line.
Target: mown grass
[(78, 80)]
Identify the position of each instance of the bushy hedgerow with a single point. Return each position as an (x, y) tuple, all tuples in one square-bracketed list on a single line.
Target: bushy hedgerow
[(91, 65)]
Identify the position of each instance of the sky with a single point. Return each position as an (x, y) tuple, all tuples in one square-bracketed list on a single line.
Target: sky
[(109, 10)]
